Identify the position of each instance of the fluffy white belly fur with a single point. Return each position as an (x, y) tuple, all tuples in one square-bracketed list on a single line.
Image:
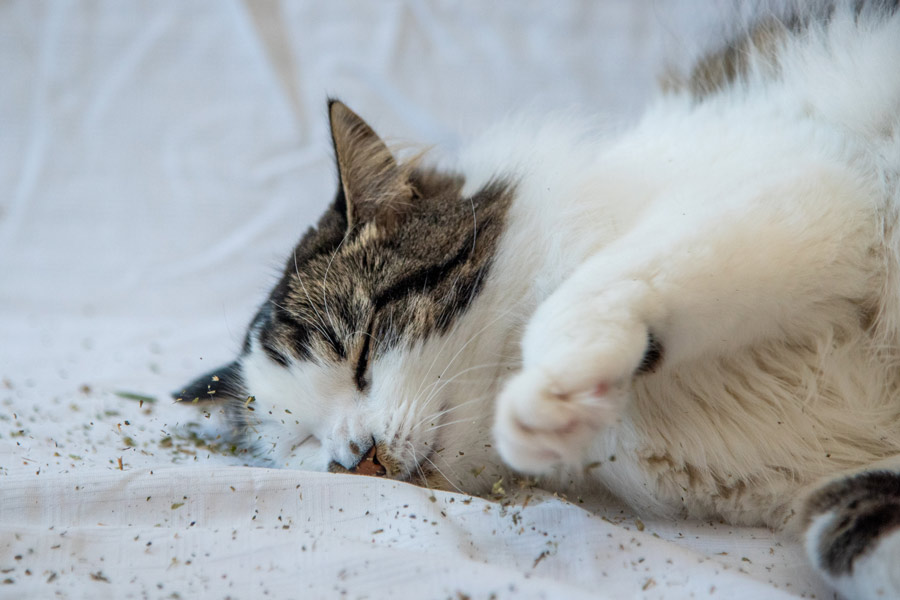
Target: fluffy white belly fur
[(761, 236)]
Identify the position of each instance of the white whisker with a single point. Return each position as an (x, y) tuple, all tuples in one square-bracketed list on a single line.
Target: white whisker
[(289, 312), (439, 414), (439, 384), (471, 339), (372, 337), (325, 279), (308, 298), (467, 419), (447, 479), (418, 466), (474, 224), (438, 355)]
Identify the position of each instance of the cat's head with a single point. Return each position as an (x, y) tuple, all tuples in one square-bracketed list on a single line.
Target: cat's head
[(379, 332)]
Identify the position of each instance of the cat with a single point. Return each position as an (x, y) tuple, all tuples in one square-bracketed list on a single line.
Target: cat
[(705, 309)]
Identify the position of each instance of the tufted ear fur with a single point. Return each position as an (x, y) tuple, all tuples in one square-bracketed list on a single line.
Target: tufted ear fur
[(219, 385), (375, 187)]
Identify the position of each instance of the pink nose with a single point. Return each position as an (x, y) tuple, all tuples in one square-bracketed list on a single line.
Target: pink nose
[(369, 465)]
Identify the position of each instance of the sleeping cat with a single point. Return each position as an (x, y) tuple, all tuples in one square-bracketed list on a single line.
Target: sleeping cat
[(705, 309)]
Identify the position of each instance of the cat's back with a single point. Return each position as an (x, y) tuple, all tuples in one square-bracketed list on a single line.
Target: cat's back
[(835, 61)]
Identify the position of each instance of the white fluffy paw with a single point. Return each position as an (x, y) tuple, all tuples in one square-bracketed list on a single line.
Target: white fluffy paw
[(575, 379)]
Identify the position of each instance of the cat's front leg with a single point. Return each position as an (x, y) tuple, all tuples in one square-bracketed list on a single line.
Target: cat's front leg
[(770, 265), (581, 350)]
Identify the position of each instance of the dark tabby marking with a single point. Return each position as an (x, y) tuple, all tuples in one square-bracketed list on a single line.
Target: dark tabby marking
[(866, 507), (731, 63), (222, 383), (721, 69), (396, 258), (653, 355)]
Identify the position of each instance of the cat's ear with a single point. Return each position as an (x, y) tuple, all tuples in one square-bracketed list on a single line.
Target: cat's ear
[(375, 187), (219, 385)]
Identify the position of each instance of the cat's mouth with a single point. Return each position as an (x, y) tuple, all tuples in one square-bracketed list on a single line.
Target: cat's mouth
[(380, 462), (370, 464)]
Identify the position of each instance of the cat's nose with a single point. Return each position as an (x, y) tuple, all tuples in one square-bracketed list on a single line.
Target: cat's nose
[(369, 464)]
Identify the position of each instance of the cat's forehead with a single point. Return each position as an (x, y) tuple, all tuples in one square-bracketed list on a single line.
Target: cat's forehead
[(351, 271), (400, 283), (370, 261)]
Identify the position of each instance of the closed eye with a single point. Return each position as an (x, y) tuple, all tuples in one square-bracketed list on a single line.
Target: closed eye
[(282, 337), (362, 364), (271, 351), (331, 338)]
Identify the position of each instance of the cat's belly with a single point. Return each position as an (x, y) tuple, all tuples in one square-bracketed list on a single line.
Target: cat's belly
[(738, 437)]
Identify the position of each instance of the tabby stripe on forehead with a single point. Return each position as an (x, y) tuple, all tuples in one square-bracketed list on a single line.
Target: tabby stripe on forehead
[(423, 279)]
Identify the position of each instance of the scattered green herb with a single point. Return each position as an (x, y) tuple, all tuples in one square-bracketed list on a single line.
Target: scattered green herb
[(135, 397)]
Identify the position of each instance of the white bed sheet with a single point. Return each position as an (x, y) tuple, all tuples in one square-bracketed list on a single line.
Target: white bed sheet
[(157, 159)]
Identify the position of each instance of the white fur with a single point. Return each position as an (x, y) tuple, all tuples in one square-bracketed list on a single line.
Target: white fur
[(747, 233), (431, 403), (754, 234), (875, 575)]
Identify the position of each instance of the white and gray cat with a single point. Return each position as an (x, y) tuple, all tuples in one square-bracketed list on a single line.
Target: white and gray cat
[(705, 309)]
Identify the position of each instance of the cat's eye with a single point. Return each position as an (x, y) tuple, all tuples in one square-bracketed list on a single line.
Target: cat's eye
[(272, 352), (362, 364), (275, 355), (362, 360), (333, 342)]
